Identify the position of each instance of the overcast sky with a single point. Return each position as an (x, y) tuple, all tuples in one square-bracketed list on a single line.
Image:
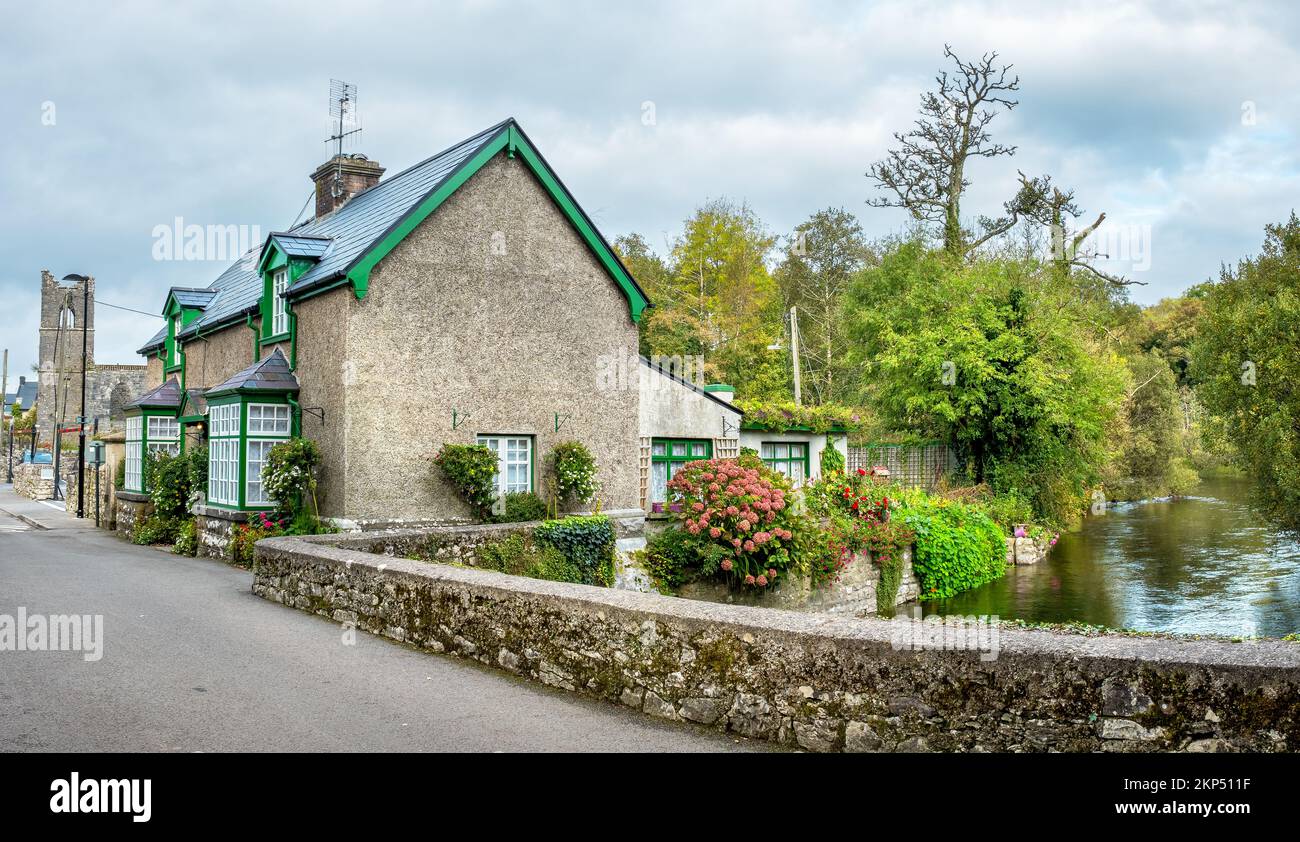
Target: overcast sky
[(1179, 121)]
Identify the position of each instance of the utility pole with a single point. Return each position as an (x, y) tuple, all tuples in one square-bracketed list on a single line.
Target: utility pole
[(81, 415), (794, 352)]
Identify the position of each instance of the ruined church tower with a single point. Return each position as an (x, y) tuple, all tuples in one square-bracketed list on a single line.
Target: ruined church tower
[(62, 317)]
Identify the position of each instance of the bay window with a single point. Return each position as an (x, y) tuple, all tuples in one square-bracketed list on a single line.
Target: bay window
[(240, 438), (223, 454), (134, 453)]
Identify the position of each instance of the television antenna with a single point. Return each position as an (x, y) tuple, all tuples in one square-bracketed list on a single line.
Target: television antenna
[(344, 121)]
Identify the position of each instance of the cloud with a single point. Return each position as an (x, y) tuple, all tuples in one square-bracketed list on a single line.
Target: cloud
[(216, 112)]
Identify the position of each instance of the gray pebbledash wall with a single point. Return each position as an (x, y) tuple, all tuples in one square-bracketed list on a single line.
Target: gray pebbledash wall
[(821, 683)]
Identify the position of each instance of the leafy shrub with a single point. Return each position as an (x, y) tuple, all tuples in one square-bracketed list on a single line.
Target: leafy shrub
[(472, 470), (575, 471), (289, 475), (245, 535), (169, 485), (1008, 510), (857, 517), (196, 464), (741, 507), (158, 529), (674, 558), (587, 542), (520, 507), (187, 541), (522, 556), (119, 475), (958, 547), (832, 461)]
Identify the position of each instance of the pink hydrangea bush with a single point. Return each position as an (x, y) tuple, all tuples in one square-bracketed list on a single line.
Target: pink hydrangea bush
[(744, 508)]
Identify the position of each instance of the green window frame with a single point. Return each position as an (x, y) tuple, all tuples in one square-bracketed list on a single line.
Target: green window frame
[(667, 456), (787, 457)]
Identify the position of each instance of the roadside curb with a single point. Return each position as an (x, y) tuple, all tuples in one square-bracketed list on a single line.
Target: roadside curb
[(32, 522)]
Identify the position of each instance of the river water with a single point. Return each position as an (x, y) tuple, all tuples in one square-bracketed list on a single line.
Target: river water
[(1202, 564)]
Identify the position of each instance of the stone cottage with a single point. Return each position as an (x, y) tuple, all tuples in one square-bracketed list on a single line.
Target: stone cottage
[(469, 298)]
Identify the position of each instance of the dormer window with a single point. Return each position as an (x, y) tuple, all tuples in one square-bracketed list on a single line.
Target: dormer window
[(280, 318)]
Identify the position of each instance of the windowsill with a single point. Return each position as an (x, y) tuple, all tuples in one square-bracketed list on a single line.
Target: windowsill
[(131, 496), (220, 512), (172, 369), (279, 337)]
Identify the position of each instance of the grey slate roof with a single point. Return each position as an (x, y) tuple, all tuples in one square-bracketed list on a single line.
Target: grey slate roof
[(302, 246), (24, 395), (368, 215), (166, 396), (237, 290), (346, 235), (190, 297), (270, 374)]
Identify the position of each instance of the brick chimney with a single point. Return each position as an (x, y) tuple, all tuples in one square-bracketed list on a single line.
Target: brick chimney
[(342, 177)]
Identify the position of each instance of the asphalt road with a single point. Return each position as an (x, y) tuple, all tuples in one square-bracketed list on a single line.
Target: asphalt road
[(193, 661)]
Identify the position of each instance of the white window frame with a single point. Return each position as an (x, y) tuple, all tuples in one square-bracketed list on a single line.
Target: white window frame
[(176, 340), (279, 313), (163, 436), (134, 453), (505, 447), (223, 453), (273, 427)]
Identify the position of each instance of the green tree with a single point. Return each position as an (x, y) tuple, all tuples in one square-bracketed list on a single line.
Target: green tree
[(822, 256), (719, 300), (1246, 362), (990, 356)]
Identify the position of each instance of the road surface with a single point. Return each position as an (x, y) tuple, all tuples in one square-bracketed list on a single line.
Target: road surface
[(194, 662)]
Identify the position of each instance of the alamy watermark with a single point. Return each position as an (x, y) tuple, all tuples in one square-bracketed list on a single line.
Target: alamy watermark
[(53, 633), (620, 371), (912, 633), (180, 241)]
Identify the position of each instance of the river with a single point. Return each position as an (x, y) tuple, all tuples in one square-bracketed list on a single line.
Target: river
[(1201, 564)]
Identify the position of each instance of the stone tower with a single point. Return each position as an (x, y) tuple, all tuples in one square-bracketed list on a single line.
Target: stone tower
[(63, 315)]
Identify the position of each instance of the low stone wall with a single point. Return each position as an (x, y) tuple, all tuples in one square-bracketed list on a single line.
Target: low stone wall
[(35, 481), (213, 527), (1026, 550), (822, 683), (129, 508), (853, 593)]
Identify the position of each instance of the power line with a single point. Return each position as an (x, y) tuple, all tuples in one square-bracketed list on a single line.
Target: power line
[(130, 310)]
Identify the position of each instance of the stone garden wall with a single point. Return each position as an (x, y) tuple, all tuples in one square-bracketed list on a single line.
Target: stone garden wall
[(129, 507), (852, 594), (815, 681)]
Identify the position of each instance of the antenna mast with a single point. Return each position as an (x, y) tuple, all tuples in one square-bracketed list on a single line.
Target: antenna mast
[(344, 123)]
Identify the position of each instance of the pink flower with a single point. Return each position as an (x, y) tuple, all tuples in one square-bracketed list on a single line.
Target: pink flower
[(714, 532), (735, 542), (1020, 532), (727, 565), (771, 572), (761, 581), (697, 506), (749, 546), (749, 580), (743, 526)]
